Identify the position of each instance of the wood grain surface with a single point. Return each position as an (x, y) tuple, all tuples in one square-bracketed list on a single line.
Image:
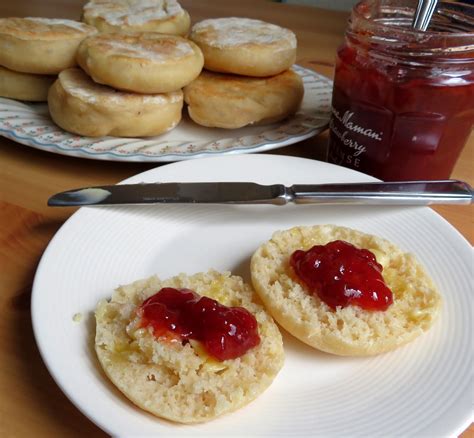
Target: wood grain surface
[(31, 404)]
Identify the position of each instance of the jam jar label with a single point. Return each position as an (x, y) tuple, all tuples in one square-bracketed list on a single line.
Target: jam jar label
[(359, 133)]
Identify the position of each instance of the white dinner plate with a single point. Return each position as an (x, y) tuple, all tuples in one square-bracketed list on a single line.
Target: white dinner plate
[(31, 125), (421, 389)]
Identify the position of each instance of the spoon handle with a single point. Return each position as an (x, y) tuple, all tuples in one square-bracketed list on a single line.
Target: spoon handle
[(423, 14)]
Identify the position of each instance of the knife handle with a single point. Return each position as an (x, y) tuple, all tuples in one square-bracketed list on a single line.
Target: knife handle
[(391, 193)]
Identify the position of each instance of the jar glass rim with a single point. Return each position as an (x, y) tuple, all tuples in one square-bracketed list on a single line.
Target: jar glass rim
[(364, 14)]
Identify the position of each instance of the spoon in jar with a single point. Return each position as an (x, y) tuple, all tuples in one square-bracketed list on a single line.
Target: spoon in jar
[(423, 14)]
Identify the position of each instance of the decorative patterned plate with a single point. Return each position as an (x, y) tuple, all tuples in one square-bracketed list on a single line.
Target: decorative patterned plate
[(30, 124)]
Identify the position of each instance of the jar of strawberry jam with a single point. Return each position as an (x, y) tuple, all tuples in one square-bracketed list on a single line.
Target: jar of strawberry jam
[(403, 100)]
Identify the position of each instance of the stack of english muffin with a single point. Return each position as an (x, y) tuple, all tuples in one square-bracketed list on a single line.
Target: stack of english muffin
[(129, 85), (135, 61), (131, 74), (247, 77), (33, 51)]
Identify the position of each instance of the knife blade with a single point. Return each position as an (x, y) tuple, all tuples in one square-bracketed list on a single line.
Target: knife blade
[(394, 193)]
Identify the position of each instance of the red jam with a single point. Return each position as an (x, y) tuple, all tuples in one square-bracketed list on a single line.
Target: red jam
[(181, 314), (341, 274), (403, 101)]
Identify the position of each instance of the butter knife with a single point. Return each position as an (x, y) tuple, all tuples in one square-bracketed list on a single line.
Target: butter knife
[(377, 193)]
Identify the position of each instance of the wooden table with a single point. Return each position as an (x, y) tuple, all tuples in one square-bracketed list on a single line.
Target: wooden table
[(30, 402)]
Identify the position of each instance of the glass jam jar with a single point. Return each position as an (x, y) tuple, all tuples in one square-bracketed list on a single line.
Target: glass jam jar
[(403, 100)]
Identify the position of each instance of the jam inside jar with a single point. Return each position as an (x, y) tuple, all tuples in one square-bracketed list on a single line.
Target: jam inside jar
[(403, 100)]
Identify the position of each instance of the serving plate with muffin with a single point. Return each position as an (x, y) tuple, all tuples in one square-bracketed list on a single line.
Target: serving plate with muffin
[(135, 82), (120, 289)]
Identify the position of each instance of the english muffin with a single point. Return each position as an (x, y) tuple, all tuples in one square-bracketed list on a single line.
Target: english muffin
[(40, 45), (141, 62), (245, 46), (231, 101), (79, 105), (24, 86), (178, 380), (349, 330), (163, 16)]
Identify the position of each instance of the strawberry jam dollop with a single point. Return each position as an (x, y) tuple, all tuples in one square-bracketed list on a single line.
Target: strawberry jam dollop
[(341, 274), (182, 314)]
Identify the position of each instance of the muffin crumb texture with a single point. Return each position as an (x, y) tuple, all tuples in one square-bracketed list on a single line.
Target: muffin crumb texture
[(349, 330), (179, 381)]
